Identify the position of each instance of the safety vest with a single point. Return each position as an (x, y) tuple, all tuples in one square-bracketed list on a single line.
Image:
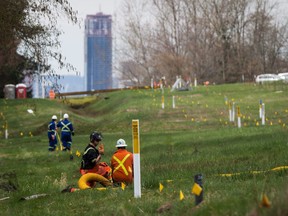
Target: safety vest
[(84, 162), (88, 150), (53, 130), (65, 127), (121, 164)]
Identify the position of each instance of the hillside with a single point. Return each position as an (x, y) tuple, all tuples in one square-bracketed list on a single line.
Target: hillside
[(201, 108), (238, 164)]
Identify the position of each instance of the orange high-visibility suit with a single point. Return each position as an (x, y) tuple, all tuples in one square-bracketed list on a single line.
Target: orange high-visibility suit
[(122, 166)]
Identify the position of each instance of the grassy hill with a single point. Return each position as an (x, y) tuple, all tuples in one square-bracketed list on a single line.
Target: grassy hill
[(195, 136)]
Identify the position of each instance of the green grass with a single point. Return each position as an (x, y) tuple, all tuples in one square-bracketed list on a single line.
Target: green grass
[(176, 144)]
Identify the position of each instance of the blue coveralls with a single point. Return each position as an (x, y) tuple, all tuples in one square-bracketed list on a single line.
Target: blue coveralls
[(52, 135), (66, 131)]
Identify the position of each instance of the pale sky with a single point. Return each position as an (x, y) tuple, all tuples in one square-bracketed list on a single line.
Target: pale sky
[(72, 40)]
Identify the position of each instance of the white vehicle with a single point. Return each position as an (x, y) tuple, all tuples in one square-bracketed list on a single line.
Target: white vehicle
[(267, 78), (284, 76)]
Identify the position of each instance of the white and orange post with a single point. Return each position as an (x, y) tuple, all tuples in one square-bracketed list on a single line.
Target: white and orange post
[(230, 111), (263, 114), (239, 117), (233, 111), (195, 82), (260, 108), (136, 158), (173, 102), (6, 130)]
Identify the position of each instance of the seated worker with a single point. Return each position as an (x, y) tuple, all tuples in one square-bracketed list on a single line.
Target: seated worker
[(122, 164), (91, 158)]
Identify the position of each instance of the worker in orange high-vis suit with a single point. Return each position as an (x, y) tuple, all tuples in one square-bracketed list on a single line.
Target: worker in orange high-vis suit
[(122, 164)]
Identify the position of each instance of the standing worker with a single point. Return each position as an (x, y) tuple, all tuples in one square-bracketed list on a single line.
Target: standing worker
[(52, 134), (66, 131), (122, 164), (91, 157)]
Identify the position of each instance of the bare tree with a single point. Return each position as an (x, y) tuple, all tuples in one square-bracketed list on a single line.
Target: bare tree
[(266, 39), (170, 49), (135, 34), (216, 40), (133, 74)]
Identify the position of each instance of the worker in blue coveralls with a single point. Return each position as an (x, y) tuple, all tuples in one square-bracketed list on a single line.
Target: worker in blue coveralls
[(52, 134), (66, 131)]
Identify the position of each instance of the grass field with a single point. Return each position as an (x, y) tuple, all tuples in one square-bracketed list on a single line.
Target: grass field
[(196, 137)]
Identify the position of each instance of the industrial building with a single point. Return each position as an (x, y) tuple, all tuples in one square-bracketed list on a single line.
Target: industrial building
[(98, 52)]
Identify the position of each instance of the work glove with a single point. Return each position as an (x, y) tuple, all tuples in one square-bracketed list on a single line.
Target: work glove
[(101, 148), (72, 133)]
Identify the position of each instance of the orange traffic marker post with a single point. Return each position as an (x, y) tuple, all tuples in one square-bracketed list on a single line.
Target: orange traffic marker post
[(51, 94), (136, 158)]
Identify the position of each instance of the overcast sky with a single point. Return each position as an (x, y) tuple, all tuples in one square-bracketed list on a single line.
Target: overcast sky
[(73, 37)]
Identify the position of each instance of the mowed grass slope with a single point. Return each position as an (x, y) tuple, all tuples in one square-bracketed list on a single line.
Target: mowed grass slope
[(176, 143)]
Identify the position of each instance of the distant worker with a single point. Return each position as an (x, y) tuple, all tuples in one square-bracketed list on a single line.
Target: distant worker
[(52, 134), (122, 164), (66, 131), (91, 157)]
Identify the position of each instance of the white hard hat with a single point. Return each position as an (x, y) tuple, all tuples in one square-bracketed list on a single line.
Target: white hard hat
[(65, 116), (121, 143), (54, 117)]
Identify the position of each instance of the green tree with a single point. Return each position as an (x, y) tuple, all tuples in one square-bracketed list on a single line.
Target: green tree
[(29, 33)]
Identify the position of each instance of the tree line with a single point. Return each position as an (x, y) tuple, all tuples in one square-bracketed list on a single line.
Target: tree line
[(222, 41)]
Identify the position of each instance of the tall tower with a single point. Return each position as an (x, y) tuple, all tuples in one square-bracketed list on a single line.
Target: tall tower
[(98, 52)]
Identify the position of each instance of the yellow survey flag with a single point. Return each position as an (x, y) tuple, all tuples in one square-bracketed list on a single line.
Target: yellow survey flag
[(181, 195), (78, 154), (123, 186), (265, 201), (160, 187), (196, 189)]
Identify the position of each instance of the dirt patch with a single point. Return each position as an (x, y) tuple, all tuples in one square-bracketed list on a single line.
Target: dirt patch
[(4, 155)]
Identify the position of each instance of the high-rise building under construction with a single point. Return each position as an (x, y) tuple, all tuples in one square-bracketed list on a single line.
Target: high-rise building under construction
[(98, 51)]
